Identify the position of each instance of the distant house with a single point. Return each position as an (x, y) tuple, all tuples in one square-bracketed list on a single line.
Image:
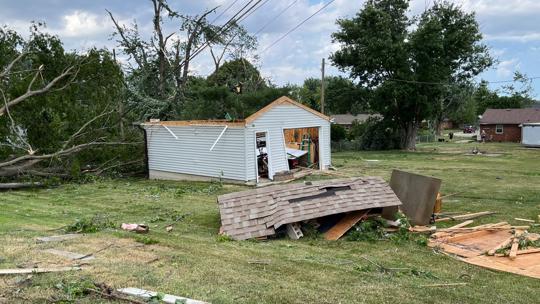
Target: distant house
[(346, 120), (505, 124)]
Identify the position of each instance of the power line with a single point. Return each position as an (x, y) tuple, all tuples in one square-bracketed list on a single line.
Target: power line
[(224, 11), (227, 25), (450, 84), (296, 27), (275, 17)]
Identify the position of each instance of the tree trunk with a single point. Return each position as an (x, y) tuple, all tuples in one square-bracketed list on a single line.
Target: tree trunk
[(408, 136)]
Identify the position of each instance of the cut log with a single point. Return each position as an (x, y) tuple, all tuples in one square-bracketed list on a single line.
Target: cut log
[(339, 229), (37, 270)]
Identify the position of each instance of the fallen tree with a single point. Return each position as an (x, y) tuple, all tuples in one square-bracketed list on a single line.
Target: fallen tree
[(19, 155)]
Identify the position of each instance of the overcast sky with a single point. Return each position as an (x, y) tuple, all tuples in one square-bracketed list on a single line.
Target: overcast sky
[(511, 29)]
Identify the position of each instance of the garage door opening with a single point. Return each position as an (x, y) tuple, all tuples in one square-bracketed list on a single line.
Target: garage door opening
[(302, 145)]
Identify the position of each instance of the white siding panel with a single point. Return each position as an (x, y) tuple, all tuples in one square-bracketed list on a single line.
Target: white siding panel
[(274, 121), (190, 153)]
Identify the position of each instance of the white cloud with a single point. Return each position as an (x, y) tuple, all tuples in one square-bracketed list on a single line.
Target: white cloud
[(84, 24), (506, 68)]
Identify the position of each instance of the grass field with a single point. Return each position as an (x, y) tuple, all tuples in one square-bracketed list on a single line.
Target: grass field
[(193, 261)]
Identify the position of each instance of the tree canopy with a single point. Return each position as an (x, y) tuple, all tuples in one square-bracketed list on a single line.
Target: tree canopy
[(409, 63)]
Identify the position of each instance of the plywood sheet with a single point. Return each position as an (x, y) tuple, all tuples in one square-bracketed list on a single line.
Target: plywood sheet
[(341, 227), (417, 194)]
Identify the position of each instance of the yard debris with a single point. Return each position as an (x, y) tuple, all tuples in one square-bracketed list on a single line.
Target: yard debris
[(418, 194), (260, 212), (261, 262), (467, 216), (445, 285), (294, 231), (169, 228), (58, 238), (70, 255), (37, 270), (138, 228), (339, 229), (495, 246), (524, 220), (165, 298)]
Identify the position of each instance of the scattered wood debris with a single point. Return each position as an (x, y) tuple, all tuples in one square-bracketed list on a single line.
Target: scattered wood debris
[(167, 298), (480, 245), (468, 216)]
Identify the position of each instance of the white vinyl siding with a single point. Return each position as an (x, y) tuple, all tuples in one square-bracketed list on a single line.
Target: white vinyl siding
[(190, 153)]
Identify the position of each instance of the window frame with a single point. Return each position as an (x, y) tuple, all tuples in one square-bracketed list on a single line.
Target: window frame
[(497, 129)]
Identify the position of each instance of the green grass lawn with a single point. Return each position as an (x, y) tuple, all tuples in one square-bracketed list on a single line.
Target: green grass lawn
[(193, 261)]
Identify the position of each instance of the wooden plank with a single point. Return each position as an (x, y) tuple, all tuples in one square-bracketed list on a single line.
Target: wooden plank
[(527, 251), (515, 246), (37, 270), (464, 216), (524, 220), (466, 236), (346, 223), (460, 225), (449, 248), (58, 238), (167, 298), (501, 245)]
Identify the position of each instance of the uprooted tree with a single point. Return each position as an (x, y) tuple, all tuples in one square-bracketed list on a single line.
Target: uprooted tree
[(159, 68), (57, 109), (410, 62)]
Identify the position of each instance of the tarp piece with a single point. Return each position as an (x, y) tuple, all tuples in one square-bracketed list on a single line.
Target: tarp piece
[(417, 193)]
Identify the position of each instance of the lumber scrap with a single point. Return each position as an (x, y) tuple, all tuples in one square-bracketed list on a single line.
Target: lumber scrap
[(468, 235), (515, 246), (167, 298), (524, 220), (506, 265), (345, 224), (57, 238), (461, 225), (503, 244), (528, 251), (36, 270), (467, 216)]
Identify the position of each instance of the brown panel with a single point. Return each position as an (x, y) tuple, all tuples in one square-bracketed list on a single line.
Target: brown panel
[(417, 193)]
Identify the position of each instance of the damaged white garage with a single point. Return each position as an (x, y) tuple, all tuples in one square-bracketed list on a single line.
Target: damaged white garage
[(282, 136)]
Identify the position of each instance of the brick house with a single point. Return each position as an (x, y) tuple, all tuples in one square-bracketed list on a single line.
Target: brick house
[(505, 124)]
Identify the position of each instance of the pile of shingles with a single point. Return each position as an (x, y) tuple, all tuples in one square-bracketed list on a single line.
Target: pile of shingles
[(482, 246), (260, 212)]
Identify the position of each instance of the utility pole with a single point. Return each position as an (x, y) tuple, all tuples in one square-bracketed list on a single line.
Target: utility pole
[(322, 86)]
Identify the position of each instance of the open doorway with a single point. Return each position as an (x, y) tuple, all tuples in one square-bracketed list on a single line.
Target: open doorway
[(261, 152), (302, 146)]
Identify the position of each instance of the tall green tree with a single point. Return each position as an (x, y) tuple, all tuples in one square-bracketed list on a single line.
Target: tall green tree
[(407, 63)]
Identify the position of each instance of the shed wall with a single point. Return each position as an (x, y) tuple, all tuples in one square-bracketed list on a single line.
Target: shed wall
[(274, 121), (511, 133), (190, 153)]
